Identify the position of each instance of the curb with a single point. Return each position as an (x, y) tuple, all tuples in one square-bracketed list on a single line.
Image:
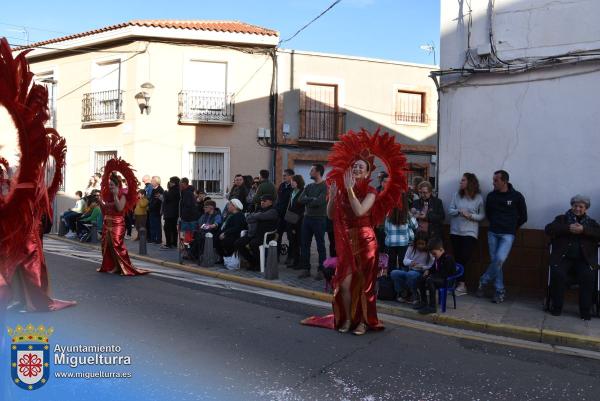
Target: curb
[(551, 337)]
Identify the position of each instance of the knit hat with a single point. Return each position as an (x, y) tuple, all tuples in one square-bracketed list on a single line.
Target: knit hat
[(581, 199), (267, 197), (237, 203)]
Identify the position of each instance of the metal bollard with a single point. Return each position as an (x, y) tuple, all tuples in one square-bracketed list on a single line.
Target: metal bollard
[(62, 228), (142, 239), (271, 266), (208, 257)]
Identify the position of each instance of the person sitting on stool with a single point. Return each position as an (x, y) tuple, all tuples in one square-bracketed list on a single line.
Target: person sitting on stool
[(263, 221), (575, 239)]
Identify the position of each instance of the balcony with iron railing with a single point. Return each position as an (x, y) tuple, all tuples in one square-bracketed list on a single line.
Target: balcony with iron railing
[(204, 107), (411, 118), (102, 107), (321, 125)]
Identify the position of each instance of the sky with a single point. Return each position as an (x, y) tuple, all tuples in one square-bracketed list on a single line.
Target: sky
[(387, 29)]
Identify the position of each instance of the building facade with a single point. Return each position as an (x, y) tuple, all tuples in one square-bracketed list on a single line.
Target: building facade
[(518, 87), (208, 85), (323, 95), (211, 99)]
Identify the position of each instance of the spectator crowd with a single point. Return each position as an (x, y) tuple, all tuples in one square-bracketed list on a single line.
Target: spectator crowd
[(411, 236)]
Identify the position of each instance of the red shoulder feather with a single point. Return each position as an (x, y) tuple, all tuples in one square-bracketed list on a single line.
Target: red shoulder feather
[(27, 105), (364, 145), (58, 150)]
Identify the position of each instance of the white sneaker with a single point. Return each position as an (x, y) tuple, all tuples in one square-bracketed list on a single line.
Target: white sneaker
[(461, 289), (70, 234)]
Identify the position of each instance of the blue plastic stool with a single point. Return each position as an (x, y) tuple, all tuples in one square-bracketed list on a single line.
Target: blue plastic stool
[(443, 292)]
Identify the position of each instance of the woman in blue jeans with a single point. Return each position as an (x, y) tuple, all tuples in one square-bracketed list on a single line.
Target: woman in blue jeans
[(416, 260)]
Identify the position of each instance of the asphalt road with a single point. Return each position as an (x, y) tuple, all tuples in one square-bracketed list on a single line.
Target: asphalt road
[(190, 341)]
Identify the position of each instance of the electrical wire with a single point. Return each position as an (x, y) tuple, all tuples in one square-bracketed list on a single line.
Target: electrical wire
[(32, 28), (335, 3), (108, 73)]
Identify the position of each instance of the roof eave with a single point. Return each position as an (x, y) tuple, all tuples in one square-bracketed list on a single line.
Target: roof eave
[(140, 33)]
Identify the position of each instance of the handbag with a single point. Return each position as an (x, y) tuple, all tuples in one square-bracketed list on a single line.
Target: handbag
[(291, 217)]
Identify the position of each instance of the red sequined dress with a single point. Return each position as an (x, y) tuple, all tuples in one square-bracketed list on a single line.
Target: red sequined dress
[(355, 239), (115, 258)]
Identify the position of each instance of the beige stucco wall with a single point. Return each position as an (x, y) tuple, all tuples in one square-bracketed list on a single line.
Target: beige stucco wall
[(367, 90), (154, 144)]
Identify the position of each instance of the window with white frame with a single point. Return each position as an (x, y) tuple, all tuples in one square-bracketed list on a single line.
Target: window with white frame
[(101, 158), (207, 171), (410, 107), (204, 94), (105, 101)]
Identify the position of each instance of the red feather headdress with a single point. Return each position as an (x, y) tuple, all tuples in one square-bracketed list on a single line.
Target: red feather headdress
[(58, 150), (27, 105), (363, 145), (124, 168)]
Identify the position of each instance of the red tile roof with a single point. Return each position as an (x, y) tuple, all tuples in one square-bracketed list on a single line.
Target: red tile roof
[(196, 25)]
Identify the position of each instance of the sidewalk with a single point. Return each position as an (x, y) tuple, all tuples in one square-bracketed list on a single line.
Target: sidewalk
[(517, 317)]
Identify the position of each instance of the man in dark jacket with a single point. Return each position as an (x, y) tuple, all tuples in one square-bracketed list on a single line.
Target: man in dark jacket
[(284, 192), (170, 208), (187, 206), (155, 211), (231, 228), (263, 221), (506, 211), (239, 190), (574, 252), (265, 187)]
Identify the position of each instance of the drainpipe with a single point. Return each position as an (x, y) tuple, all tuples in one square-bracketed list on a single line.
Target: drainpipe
[(273, 115), (437, 151)]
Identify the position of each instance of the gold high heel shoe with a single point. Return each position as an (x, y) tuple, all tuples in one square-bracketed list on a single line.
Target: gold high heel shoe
[(360, 329), (345, 327)]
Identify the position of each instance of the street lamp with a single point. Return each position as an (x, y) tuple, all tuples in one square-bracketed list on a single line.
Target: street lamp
[(429, 48), (143, 97)]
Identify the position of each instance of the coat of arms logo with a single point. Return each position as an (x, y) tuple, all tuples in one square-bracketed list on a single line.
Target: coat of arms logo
[(30, 356)]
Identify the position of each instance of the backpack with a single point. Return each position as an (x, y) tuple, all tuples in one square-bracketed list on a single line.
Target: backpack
[(385, 288)]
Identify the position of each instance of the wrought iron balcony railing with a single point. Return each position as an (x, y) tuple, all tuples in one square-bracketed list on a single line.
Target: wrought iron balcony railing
[(321, 125), (402, 117), (102, 106), (206, 107)]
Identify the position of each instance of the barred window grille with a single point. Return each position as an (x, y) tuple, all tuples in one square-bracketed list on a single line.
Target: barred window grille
[(207, 172), (410, 107), (320, 118), (101, 158)]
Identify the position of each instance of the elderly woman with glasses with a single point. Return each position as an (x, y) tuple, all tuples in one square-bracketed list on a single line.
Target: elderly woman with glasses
[(575, 239)]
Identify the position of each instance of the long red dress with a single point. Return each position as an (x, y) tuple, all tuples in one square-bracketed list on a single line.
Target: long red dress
[(27, 275), (114, 252), (356, 247)]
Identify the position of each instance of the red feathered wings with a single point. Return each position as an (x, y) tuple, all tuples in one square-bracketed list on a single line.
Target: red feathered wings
[(28, 107), (58, 150), (121, 166), (360, 145)]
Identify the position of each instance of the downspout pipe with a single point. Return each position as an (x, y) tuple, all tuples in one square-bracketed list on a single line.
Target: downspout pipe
[(434, 77), (273, 115)]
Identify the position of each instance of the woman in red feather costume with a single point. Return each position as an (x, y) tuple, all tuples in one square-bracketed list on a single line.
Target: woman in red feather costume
[(25, 199), (356, 208), (115, 203)]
